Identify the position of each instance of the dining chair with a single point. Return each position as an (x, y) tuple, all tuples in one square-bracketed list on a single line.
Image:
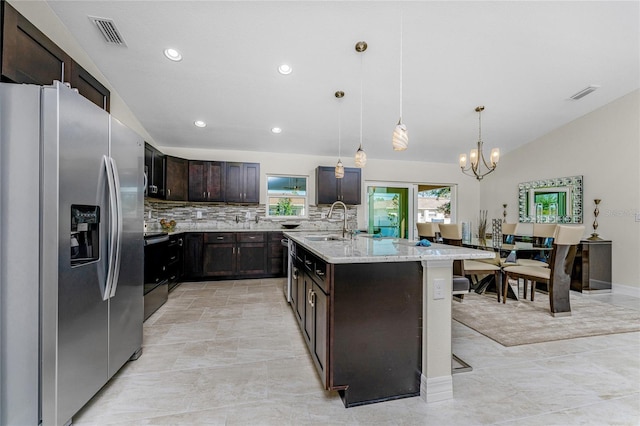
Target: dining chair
[(427, 230), (557, 276), (508, 232), (451, 234)]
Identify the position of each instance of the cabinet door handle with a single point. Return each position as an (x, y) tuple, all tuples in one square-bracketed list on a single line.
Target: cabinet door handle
[(295, 273), (204, 195), (312, 300), (319, 272), (220, 238), (168, 192), (238, 250), (208, 194), (309, 296), (307, 262)]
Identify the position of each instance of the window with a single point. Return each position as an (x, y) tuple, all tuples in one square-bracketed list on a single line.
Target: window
[(287, 196)]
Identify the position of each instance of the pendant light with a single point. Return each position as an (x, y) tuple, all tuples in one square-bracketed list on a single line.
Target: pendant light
[(361, 156), (400, 138), (339, 172), (476, 156)]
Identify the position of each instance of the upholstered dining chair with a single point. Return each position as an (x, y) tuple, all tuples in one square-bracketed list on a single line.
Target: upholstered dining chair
[(541, 231), (452, 234), (508, 231), (557, 276), (427, 230)]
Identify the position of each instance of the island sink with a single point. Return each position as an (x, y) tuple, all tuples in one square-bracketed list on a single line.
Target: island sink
[(324, 238)]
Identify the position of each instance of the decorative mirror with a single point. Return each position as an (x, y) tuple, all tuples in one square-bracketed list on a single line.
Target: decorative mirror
[(556, 200)]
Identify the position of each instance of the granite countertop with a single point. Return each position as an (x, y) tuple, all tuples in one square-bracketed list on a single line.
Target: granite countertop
[(366, 249)]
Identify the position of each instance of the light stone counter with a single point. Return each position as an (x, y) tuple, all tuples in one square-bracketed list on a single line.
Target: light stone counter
[(436, 382), (367, 249)]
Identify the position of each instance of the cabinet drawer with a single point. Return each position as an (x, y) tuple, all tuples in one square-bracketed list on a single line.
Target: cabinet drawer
[(219, 237), (251, 237), (275, 236), (320, 274)]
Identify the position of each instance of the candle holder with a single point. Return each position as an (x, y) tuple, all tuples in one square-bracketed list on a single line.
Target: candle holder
[(596, 212), (504, 213)]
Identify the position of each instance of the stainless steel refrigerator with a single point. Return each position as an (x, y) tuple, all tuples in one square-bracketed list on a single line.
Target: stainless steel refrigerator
[(71, 251)]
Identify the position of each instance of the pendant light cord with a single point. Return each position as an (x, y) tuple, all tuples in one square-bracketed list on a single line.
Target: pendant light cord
[(401, 27), (361, 68), (339, 130)]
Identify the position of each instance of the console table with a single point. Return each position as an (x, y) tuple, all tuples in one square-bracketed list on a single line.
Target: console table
[(592, 267)]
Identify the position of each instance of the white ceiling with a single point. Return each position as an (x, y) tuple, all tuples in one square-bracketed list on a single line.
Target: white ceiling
[(521, 60)]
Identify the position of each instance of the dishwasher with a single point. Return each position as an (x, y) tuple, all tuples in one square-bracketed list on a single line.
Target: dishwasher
[(156, 276)]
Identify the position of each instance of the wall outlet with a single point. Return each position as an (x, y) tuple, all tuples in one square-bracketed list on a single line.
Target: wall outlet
[(438, 289), (198, 214), (323, 215)]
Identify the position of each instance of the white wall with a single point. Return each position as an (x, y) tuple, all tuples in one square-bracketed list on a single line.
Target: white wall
[(375, 170), (604, 147)]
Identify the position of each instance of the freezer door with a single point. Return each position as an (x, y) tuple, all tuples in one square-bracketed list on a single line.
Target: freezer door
[(127, 303), (74, 354), (19, 258)]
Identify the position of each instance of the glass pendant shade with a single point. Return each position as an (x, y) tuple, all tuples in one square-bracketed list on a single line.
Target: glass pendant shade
[(361, 157), (339, 172), (463, 160), (495, 156), (400, 140), (473, 156)]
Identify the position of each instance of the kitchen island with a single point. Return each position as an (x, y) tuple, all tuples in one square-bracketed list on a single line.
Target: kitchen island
[(376, 314)]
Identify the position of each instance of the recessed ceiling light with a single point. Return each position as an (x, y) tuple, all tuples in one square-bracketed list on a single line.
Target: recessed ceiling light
[(200, 123), (276, 130), (173, 54), (285, 69)]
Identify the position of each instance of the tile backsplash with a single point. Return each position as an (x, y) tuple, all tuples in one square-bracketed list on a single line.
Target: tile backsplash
[(213, 216)]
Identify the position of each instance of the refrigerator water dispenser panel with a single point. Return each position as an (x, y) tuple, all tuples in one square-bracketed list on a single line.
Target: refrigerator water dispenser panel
[(85, 234)]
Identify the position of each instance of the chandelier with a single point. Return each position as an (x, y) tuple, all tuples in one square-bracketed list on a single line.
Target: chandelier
[(478, 166)]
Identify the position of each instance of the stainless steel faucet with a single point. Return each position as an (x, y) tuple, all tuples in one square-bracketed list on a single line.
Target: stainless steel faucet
[(344, 222)]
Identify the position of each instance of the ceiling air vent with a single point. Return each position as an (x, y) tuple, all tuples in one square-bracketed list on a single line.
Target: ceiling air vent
[(108, 29), (584, 92)]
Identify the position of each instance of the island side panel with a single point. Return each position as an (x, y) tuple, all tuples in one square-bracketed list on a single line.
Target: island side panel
[(437, 382), (376, 331)]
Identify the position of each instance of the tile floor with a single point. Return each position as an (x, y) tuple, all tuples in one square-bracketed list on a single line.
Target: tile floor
[(230, 353)]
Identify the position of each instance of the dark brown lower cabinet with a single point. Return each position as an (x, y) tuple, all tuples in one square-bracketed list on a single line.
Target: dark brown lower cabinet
[(192, 255), (363, 326), (219, 254)]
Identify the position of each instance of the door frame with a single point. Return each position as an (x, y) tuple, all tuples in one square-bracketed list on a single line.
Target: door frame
[(412, 202)]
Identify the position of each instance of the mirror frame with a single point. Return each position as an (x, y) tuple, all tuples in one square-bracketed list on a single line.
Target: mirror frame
[(572, 185)]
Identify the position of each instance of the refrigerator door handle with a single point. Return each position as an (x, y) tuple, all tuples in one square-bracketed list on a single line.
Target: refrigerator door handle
[(112, 230), (118, 236)]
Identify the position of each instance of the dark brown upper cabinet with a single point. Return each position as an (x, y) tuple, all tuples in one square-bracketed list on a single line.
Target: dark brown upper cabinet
[(176, 173), (206, 181), (329, 189), (154, 171), (89, 87), (30, 57), (243, 183)]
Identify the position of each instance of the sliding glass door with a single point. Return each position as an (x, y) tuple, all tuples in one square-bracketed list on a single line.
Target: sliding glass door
[(389, 211), (393, 208)]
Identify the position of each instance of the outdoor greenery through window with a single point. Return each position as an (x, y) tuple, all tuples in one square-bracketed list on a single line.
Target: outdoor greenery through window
[(434, 204), (287, 196)]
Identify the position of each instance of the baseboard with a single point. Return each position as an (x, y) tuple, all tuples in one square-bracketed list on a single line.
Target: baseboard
[(626, 290)]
